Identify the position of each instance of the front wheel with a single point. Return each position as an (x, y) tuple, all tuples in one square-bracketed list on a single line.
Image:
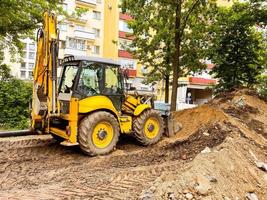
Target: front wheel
[(148, 127), (98, 133)]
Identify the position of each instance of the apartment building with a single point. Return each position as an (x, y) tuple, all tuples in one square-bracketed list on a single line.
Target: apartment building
[(22, 67), (135, 70), (92, 34), (125, 58)]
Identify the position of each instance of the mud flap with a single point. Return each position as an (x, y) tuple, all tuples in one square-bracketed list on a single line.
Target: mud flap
[(172, 126)]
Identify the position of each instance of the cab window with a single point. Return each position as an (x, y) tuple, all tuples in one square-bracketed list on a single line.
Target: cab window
[(68, 78), (89, 81), (112, 81)]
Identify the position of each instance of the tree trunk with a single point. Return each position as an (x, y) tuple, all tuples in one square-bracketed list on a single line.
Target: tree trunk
[(176, 57), (167, 85)]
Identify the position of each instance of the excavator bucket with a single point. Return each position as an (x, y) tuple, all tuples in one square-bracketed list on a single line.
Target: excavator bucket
[(171, 125)]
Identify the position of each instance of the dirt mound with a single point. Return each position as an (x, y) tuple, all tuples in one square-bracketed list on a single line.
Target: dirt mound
[(247, 109), (242, 108), (194, 119), (227, 171), (230, 169)]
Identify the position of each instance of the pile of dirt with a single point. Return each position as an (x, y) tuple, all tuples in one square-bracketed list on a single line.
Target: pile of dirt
[(194, 119), (227, 171), (233, 165)]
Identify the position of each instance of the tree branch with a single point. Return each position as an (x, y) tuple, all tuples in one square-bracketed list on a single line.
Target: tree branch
[(187, 16)]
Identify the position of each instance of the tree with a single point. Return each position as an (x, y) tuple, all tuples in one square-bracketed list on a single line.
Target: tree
[(4, 72), (169, 36), (237, 50), (15, 96), (20, 19)]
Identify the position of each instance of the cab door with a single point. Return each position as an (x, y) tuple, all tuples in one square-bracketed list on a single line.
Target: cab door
[(113, 85)]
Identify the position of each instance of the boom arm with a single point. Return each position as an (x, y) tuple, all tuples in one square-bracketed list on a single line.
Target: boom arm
[(45, 101)]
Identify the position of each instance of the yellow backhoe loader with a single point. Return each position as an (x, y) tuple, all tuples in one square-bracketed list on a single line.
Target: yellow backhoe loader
[(87, 105)]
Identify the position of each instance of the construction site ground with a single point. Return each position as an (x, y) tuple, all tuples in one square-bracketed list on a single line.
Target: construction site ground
[(220, 153)]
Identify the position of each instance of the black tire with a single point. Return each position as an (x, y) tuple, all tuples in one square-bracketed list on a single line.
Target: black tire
[(87, 127), (139, 127)]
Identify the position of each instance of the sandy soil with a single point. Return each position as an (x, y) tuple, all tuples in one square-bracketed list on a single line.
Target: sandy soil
[(214, 156)]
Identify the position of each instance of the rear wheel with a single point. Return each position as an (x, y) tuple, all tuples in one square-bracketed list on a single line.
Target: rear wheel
[(148, 127), (98, 133)]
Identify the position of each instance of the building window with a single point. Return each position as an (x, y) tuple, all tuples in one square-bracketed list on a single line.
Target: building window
[(95, 49), (123, 26), (31, 65), (128, 63), (96, 15), (22, 74), (23, 65), (78, 44), (32, 47), (80, 28), (30, 74), (96, 32), (63, 27), (31, 55)]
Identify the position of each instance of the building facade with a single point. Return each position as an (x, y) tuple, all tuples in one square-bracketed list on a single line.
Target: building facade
[(94, 34)]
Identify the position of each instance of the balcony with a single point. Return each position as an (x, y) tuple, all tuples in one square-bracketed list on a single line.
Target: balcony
[(84, 35), (125, 35), (124, 54), (77, 52), (124, 16), (86, 2)]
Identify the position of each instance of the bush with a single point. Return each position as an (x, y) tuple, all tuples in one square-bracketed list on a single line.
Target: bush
[(15, 96), (262, 88)]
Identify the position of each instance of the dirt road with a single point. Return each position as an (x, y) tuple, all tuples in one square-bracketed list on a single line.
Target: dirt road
[(33, 168)]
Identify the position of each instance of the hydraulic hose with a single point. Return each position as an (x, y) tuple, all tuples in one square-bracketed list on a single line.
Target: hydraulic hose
[(16, 133)]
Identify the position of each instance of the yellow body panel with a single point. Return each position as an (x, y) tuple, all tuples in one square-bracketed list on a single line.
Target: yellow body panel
[(71, 132), (59, 132), (132, 100), (126, 124), (73, 120), (141, 108), (93, 103)]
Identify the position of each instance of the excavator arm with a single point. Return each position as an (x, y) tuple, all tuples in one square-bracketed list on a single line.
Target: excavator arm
[(45, 103)]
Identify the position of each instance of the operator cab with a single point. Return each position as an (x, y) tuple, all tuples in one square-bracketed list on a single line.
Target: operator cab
[(84, 76)]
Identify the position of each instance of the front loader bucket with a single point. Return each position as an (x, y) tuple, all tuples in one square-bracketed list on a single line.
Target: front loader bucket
[(172, 126)]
